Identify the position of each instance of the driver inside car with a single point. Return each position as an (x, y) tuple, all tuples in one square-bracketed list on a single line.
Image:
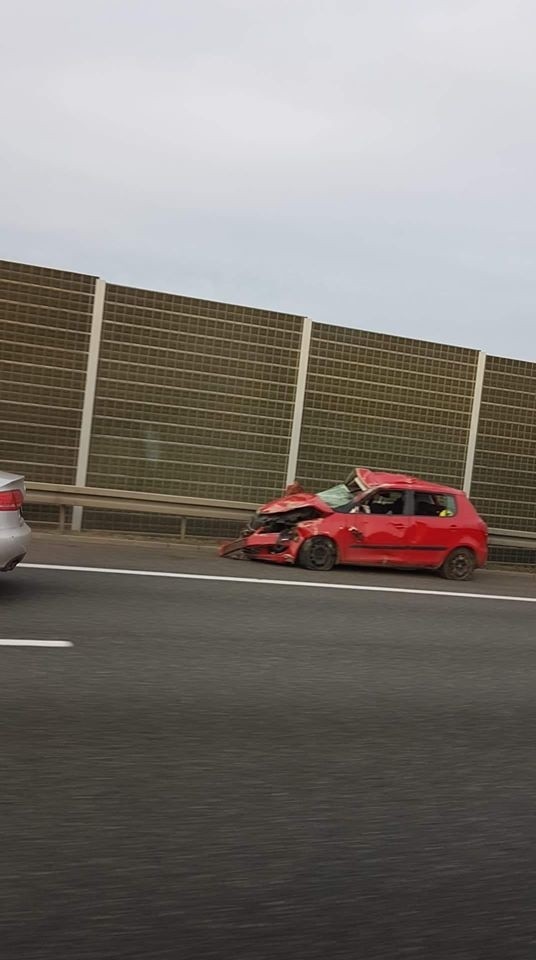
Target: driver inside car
[(382, 504)]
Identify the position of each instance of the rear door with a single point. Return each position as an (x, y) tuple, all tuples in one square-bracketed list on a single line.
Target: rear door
[(380, 532), (436, 527)]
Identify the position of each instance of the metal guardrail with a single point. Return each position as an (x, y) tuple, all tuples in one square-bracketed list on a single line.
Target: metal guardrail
[(523, 540), (99, 498)]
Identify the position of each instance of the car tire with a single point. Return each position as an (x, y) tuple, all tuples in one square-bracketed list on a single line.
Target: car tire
[(318, 553), (459, 565)]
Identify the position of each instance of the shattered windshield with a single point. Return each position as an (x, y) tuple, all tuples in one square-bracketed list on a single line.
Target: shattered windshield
[(336, 496)]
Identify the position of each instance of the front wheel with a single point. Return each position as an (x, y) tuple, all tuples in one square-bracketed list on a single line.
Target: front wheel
[(318, 553), (459, 565)]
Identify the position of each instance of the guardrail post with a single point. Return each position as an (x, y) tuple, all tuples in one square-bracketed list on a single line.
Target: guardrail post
[(473, 427), (299, 399), (89, 395)]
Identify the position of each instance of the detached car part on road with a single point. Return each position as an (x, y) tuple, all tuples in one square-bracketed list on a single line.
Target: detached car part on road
[(372, 519), (15, 534)]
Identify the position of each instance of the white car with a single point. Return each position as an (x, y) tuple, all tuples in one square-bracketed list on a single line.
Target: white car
[(15, 534)]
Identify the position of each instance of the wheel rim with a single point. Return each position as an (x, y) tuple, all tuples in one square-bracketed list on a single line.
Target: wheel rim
[(320, 553), (460, 565)]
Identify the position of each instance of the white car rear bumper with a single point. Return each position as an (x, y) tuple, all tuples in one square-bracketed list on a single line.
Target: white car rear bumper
[(14, 543)]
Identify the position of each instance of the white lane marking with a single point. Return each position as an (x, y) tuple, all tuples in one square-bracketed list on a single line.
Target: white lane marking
[(35, 643), (277, 583)]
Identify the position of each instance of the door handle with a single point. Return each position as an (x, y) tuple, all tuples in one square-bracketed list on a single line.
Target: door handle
[(399, 526)]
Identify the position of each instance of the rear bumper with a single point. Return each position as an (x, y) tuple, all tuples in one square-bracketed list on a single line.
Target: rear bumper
[(480, 550), (14, 543)]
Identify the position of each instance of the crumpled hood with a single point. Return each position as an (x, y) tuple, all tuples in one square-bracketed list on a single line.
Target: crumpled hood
[(295, 502)]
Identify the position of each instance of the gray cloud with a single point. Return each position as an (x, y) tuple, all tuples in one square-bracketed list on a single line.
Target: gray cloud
[(368, 163)]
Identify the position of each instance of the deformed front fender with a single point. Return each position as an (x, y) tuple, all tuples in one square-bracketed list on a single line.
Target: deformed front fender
[(311, 528), (314, 528)]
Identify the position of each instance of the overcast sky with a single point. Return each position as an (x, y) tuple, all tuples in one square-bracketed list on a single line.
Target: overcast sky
[(365, 162)]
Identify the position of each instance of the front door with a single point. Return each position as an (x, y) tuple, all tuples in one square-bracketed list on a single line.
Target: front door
[(379, 533)]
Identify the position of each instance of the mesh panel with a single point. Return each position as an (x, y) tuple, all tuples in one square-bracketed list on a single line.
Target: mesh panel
[(45, 320), (513, 557), (384, 402), (193, 397), (504, 476), (41, 513)]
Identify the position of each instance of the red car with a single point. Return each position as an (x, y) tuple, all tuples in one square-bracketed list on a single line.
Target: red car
[(373, 519)]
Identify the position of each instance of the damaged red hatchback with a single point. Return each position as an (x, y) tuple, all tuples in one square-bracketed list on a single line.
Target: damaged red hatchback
[(372, 519)]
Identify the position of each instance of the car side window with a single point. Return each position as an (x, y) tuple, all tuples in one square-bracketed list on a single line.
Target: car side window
[(387, 502), (441, 505)]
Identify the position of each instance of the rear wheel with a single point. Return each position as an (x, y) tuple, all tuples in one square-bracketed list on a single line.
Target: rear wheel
[(318, 553), (459, 565)]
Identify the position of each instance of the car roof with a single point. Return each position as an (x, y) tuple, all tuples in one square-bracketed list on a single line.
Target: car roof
[(371, 479)]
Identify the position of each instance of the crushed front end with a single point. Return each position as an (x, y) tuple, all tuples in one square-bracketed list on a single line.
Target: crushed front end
[(271, 536)]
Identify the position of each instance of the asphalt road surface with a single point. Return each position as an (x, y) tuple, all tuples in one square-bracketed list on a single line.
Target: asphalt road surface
[(233, 769)]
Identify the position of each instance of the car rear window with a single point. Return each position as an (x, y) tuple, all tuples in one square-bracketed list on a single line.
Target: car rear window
[(447, 504), (435, 505)]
